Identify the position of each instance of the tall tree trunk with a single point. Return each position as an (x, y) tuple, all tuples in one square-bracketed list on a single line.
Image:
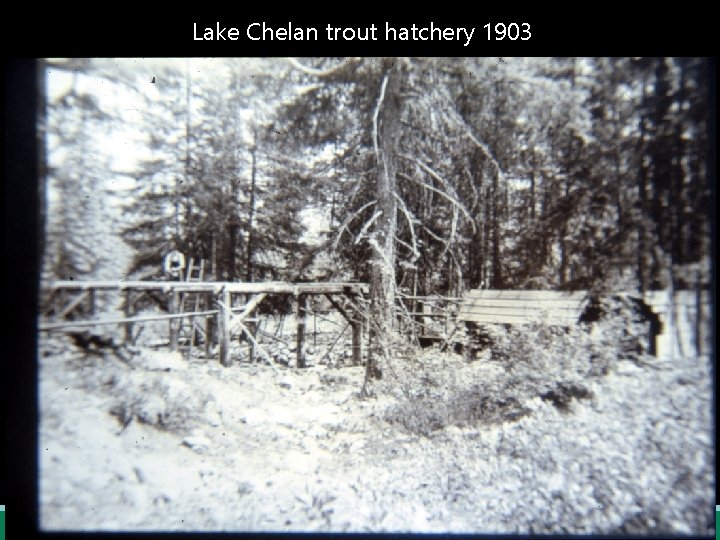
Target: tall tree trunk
[(642, 270), (661, 166), (533, 253), (563, 245), (679, 241), (619, 183), (487, 229), (216, 269), (572, 160), (474, 256), (496, 265), (533, 172), (642, 253), (233, 231), (251, 210), (382, 275)]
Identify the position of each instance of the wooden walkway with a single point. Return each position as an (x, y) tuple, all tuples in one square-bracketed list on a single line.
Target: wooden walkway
[(222, 314)]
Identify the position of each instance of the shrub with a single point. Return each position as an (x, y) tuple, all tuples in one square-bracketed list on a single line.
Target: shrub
[(621, 326), (533, 361), (159, 399), (550, 362)]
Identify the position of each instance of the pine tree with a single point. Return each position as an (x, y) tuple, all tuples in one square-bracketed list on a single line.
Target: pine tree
[(79, 242)]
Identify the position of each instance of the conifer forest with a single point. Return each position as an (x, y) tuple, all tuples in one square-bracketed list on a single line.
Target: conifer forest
[(410, 295)]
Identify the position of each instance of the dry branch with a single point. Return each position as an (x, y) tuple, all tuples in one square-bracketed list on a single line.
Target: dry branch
[(409, 217), (376, 113), (348, 220), (439, 192), (367, 226), (328, 72)]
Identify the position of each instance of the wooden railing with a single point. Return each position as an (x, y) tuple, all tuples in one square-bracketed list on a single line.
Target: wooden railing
[(77, 299)]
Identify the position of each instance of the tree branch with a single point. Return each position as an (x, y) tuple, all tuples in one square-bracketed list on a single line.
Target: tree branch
[(367, 226), (457, 119), (453, 230), (348, 220), (410, 248), (409, 218), (432, 173), (376, 113), (433, 235), (322, 73)]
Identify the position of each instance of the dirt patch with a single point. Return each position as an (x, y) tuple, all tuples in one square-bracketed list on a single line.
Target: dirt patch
[(196, 446)]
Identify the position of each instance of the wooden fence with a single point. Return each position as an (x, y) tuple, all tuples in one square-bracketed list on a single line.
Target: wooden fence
[(229, 307)]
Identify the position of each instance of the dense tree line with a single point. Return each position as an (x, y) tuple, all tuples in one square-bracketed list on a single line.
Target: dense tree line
[(427, 175)]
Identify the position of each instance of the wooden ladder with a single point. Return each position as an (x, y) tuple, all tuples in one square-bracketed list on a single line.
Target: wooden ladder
[(195, 272), (190, 302)]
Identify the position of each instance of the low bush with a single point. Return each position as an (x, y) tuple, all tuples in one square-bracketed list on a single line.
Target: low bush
[(622, 324), (162, 400), (554, 364)]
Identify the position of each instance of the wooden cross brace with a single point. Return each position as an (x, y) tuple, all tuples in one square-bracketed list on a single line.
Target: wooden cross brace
[(236, 323)]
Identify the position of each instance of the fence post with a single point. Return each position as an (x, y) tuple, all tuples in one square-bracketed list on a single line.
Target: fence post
[(92, 302), (300, 315), (128, 313), (173, 324), (209, 326), (252, 328), (224, 327), (356, 339)]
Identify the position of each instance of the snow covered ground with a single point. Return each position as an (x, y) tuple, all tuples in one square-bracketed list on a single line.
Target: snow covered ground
[(163, 443)]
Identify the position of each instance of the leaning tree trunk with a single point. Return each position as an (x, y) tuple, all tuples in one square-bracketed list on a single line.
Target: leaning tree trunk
[(382, 277)]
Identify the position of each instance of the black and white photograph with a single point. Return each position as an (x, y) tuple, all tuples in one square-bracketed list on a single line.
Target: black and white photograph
[(376, 294)]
